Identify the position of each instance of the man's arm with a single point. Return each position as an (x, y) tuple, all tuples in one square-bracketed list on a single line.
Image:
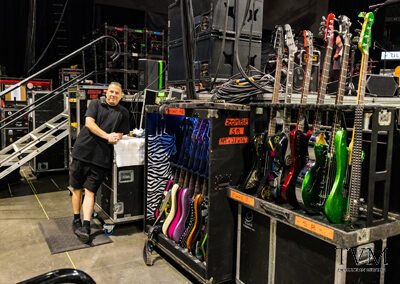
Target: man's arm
[(95, 129)]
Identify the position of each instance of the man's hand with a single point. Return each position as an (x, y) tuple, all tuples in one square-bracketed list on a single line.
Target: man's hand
[(114, 137)]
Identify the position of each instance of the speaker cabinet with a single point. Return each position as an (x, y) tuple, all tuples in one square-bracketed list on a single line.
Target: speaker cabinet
[(382, 86)]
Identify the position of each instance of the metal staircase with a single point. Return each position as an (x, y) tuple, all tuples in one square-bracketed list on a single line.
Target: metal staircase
[(32, 144)]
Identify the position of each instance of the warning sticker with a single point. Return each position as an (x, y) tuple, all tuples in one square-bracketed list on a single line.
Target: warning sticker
[(175, 111), (236, 131), (236, 121), (233, 140), (242, 198), (314, 227)]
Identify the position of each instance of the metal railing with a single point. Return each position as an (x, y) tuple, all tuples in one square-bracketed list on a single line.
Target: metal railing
[(114, 57), (29, 108)]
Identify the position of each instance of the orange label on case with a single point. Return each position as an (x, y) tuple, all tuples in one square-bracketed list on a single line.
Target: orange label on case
[(233, 140), (314, 227), (236, 131), (236, 121), (175, 111), (242, 198)]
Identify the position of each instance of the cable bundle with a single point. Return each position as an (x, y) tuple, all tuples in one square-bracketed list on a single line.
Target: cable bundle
[(238, 90)]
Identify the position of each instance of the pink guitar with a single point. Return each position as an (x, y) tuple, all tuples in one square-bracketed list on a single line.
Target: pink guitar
[(174, 222)]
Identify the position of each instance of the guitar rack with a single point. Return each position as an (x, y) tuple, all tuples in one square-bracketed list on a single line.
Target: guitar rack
[(280, 243), (228, 151)]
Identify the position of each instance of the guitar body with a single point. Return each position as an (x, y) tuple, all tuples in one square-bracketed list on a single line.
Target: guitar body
[(254, 177), (171, 214), (309, 181), (197, 220), (336, 203), (185, 210), (299, 155), (177, 216), (276, 149)]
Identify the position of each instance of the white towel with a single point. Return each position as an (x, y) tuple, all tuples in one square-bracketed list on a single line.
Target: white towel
[(129, 151)]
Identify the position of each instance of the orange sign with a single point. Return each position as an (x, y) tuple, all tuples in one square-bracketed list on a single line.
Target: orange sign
[(242, 198), (233, 140), (236, 131), (175, 111), (314, 227), (236, 121)]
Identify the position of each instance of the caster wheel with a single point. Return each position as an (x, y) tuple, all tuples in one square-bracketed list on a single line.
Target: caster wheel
[(108, 229), (147, 250)]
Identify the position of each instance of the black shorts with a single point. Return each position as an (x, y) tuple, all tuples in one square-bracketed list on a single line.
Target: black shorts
[(85, 175)]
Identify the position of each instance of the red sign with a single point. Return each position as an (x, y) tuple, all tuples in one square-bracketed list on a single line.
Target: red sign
[(236, 121), (175, 111), (236, 131), (233, 140)]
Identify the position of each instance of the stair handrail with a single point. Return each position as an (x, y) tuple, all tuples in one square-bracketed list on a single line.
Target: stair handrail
[(41, 101), (114, 57)]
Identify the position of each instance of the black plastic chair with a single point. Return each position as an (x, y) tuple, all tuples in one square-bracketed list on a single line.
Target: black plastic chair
[(65, 275)]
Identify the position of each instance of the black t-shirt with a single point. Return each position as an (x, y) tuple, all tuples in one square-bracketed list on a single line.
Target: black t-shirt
[(91, 148)]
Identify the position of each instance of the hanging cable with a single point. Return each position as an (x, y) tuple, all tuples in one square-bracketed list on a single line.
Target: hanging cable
[(52, 38), (222, 44)]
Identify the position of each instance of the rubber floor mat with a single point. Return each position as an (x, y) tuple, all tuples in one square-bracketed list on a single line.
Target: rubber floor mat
[(60, 238)]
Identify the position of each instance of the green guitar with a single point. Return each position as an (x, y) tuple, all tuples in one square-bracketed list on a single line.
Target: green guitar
[(336, 205), (331, 197)]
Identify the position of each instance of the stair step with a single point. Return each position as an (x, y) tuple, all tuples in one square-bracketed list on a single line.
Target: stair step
[(8, 163), (50, 125)]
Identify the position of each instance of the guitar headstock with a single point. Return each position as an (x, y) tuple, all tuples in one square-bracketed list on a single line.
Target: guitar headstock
[(364, 43), (329, 28), (308, 39), (344, 28), (289, 40), (279, 43)]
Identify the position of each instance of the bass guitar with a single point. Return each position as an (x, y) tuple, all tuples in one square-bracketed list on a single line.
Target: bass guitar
[(299, 139), (308, 185), (332, 196), (275, 143), (355, 160)]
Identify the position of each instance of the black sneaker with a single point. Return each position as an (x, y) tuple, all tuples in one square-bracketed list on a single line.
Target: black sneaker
[(76, 224), (83, 234)]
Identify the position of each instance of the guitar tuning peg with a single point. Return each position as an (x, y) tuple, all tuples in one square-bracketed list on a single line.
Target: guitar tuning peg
[(359, 22), (356, 39), (357, 30), (323, 18)]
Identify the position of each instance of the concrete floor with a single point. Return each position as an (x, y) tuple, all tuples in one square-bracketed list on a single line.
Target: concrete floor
[(25, 254)]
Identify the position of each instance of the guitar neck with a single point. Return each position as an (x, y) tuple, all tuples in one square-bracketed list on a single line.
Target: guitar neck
[(275, 96), (306, 87), (356, 145), (324, 82), (288, 94), (356, 166), (343, 71)]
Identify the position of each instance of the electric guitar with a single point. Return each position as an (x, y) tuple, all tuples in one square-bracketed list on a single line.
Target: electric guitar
[(194, 151), (183, 204), (299, 139), (308, 184), (177, 187), (333, 197), (270, 182), (355, 160)]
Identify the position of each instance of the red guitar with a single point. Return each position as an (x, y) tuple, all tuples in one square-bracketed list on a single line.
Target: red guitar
[(299, 139)]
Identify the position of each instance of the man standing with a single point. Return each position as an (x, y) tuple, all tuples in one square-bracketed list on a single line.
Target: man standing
[(92, 155), (337, 58)]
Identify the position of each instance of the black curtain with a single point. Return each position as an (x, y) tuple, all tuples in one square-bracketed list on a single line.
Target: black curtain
[(13, 28)]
